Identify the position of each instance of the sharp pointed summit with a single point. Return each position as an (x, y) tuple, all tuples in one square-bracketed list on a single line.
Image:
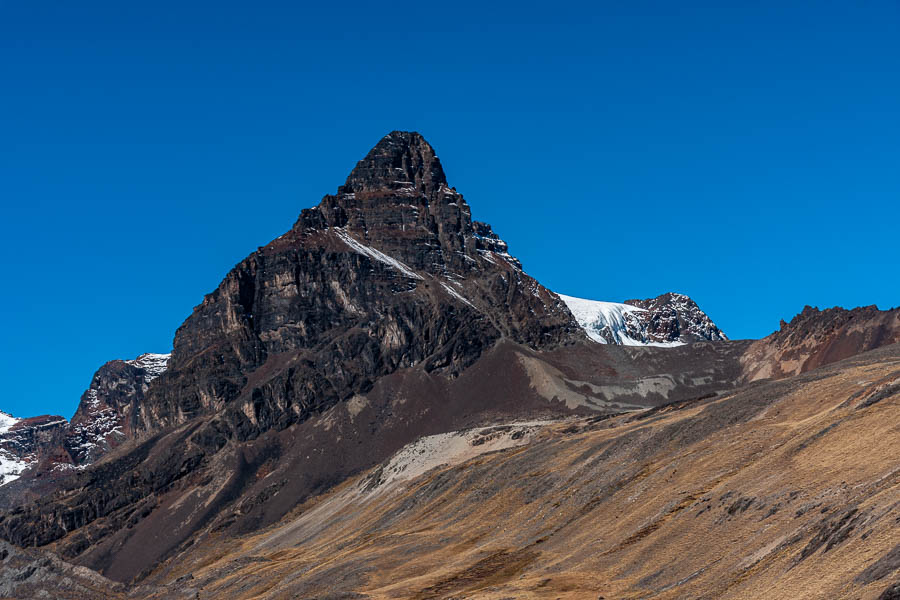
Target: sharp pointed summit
[(397, 199), (400, 161)]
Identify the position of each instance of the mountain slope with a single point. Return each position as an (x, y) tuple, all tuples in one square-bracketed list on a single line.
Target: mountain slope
[(717, 498)]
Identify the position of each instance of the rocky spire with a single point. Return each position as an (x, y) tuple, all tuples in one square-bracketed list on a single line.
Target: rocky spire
[(400, 161)]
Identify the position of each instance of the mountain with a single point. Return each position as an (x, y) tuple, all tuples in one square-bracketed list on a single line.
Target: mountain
[(668, 320), (386, 313), (389, 273), (358, 330), (381, 403)]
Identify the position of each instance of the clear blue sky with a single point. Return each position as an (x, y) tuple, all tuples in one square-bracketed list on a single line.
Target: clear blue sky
[(743, 153)]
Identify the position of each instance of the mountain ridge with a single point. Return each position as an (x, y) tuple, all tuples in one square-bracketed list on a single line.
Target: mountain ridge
[(814, 338)]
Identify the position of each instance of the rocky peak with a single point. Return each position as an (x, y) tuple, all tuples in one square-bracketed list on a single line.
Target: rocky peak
[(676, 317), (391, 272), (397, 200), (117, 389), (400, 161), (152, 365), (49, 445)]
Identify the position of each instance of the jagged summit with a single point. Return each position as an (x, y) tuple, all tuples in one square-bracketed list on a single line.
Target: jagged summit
[(397, 201), (402, 159)]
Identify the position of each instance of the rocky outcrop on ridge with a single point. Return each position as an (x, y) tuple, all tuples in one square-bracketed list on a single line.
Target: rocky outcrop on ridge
[(816, 337), (673, 317), (23, 442), (108, 409)]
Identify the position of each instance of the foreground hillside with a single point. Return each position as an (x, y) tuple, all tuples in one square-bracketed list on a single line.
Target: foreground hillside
[(787, 489)]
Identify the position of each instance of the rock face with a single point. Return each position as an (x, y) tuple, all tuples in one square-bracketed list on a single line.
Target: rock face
[(389, 273), (667, 320), (23, 442), (107, 411), (819, 337), (32, 574)]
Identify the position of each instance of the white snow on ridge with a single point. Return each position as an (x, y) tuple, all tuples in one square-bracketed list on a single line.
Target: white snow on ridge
[(7, 421), (10, 466), (375, 254), (154, 364), (607, 322)]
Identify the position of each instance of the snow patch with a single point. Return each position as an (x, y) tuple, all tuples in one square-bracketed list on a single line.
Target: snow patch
[(7, 421), (10, 465), (609, 322), (154, 364), (375, 254), (456, 294)]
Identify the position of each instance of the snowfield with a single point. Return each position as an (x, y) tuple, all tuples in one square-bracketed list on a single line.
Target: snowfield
[(609, 322)]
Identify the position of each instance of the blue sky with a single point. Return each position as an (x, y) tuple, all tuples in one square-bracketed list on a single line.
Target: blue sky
[(743, 153)]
